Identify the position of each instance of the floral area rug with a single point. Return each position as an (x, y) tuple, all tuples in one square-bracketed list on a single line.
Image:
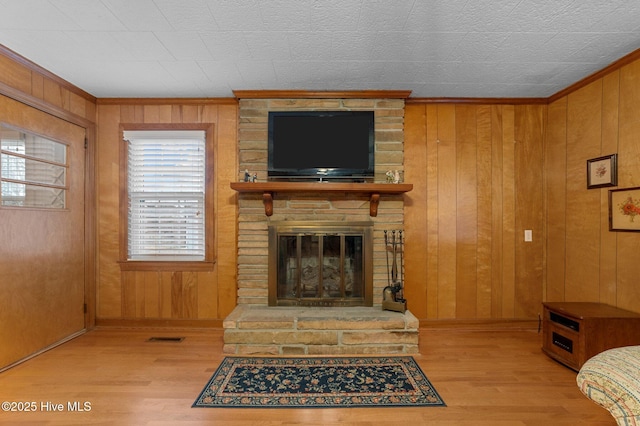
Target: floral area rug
[(245, 382)]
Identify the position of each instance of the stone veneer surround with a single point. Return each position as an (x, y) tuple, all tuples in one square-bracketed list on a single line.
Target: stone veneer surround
[(317, 206)]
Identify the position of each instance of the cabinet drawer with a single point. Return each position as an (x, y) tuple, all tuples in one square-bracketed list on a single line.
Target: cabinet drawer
[(562, 344)]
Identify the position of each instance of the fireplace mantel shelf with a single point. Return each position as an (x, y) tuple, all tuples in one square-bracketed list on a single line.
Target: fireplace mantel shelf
[(268, 189)]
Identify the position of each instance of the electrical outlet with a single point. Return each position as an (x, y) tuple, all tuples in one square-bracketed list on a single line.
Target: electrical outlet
[(528, 235)]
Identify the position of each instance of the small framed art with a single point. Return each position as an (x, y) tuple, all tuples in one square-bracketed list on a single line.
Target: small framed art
[(602, 171), (624, 209)]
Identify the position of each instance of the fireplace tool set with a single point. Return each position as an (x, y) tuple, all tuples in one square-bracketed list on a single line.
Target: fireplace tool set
[(392, 295)]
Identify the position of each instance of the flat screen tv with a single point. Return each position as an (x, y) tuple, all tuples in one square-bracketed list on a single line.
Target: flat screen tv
[(321, 145)]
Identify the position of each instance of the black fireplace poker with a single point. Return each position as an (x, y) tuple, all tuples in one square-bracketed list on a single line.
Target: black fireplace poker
[(393, 295)]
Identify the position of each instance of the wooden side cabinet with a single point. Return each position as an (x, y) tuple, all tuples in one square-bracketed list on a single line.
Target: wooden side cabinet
[(573, 332)]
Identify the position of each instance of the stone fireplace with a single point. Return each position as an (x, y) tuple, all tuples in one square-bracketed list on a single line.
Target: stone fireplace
[(311, 207), (320, 264), (323, 295)]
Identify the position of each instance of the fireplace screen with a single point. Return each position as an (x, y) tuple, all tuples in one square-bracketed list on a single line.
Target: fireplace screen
[(320, 265)]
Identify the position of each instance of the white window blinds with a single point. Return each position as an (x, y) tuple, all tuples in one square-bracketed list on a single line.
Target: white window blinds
[(166, 190)]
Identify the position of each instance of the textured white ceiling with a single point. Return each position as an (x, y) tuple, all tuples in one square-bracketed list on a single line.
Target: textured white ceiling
[(207, 48)]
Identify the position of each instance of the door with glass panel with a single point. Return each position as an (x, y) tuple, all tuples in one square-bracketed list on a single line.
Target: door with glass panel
[(42, 234)]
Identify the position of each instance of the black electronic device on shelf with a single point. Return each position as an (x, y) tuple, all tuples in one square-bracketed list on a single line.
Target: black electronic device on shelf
[(321, 145)]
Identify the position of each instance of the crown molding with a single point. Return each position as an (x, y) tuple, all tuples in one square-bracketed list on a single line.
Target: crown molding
[(614, 66), (33, 67), (165, 101), (308, 94), (479, 101)]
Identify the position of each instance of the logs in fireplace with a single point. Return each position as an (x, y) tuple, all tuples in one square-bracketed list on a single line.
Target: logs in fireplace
[(320, 264)]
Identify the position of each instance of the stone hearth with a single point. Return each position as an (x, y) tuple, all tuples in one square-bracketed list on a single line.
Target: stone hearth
[(299, 330)]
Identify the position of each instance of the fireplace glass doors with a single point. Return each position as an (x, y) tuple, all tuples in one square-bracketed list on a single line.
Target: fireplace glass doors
[(320, 264)]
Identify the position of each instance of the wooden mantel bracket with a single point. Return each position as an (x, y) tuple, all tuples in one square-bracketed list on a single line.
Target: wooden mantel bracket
[(268, 189), (267, 199), (373, 204)]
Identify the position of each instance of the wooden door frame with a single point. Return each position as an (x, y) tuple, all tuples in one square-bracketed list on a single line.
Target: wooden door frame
[(89, 193)]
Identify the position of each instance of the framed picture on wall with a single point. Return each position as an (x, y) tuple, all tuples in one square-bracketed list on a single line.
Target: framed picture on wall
[(624, 209), (602, 171)]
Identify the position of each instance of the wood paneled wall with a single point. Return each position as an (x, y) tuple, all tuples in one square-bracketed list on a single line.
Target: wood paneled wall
[(166, 297), (482, 174), (585, 261), (477, 172)]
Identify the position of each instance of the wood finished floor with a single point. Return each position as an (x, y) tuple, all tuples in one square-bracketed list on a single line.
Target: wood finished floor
[(485, 378)]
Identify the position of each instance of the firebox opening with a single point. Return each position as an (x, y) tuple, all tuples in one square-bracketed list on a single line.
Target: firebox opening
[(320, 264)]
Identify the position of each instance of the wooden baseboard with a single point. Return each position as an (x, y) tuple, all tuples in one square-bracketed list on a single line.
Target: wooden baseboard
[(43, 350), (458, 324), (481, 324), (158, 323)]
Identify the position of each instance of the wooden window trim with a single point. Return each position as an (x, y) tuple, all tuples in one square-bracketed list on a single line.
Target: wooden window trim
[(173, 265)]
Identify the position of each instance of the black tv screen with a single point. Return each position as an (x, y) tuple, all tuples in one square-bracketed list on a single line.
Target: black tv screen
[(321, 145)]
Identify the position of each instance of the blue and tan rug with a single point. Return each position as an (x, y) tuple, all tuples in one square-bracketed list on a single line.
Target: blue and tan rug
[(244, 382)]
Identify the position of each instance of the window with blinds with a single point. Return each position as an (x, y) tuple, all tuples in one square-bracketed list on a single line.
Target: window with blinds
[(166, 195)]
